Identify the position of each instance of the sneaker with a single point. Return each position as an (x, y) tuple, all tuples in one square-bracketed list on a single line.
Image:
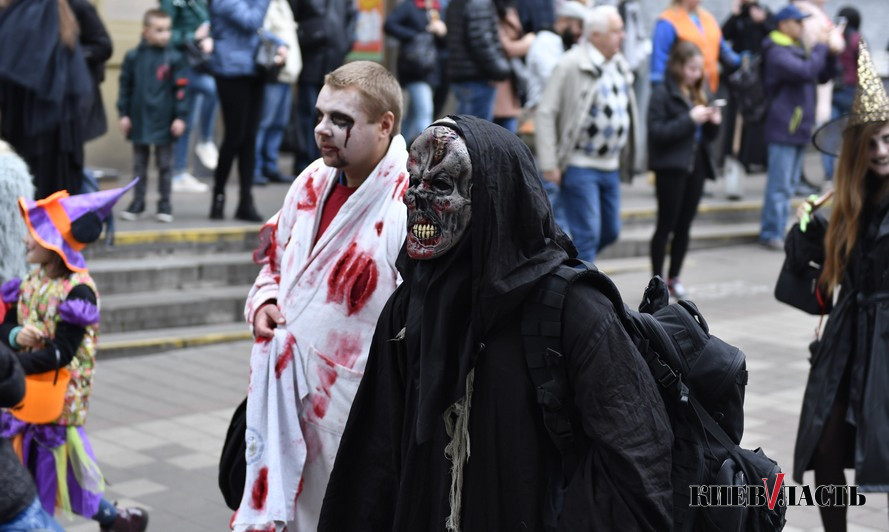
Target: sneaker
[(164, 212), (186, 182), (260, 180), (774, 244), (207, 154), (128, 520), (677, 291), (134, 211)]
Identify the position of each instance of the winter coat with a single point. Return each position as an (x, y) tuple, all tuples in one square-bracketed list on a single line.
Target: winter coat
[(474, 49), (187, 16), (15, 182), (97, 49), (745, 34), (566, 100), (673, 141), (405, 22), (233, 26), (391, 472), (326, 35), (280, 23), (855, 340), (506, 100), (152, 92), (790, 75)]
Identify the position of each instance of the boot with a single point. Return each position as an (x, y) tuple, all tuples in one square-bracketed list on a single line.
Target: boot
[(247, 212), (217, 209), (128, 520)]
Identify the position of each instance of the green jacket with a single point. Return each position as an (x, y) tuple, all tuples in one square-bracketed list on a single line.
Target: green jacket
[(186, 16), (152, 92)]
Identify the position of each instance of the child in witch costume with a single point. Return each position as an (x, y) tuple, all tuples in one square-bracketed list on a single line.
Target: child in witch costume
[(52, 324)]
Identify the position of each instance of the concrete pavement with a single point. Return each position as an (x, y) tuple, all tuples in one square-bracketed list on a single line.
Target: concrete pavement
[(157, 421)]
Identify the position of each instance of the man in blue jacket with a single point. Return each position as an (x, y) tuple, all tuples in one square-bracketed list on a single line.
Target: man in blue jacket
[(790, 75)]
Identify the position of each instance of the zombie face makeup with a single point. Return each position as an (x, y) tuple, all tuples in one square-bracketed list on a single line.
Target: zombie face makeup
[(343, 132), (439, 196)]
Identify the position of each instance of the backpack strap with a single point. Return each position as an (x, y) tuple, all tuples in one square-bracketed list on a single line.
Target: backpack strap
[(542, 338)]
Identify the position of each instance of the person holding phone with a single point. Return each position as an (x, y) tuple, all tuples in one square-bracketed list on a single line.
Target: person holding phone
[(681, 126)]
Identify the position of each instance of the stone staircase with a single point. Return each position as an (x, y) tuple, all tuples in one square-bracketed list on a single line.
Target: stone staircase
[(173, 288)]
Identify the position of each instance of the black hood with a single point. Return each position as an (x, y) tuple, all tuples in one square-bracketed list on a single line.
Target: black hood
[(512, 242)]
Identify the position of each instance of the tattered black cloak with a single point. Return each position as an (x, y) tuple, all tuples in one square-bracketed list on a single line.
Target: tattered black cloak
[(385, 479), (43, 88), (851, 362)]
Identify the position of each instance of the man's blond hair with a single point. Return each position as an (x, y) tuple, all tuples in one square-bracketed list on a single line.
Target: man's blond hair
[(379, 90)]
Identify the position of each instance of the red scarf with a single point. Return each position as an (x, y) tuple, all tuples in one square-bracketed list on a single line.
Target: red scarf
[(427, 4)]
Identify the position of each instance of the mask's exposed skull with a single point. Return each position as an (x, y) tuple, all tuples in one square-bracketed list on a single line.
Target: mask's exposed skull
[(438, 198)]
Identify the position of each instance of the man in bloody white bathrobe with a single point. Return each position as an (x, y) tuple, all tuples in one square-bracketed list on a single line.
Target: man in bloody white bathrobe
[(328, 267)]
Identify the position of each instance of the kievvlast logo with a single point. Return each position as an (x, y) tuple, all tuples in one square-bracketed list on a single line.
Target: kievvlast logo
[(824, 495)]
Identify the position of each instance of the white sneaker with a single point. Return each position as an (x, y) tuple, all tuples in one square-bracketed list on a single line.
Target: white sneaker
[(186, 182), (164, 217), (208, 154)]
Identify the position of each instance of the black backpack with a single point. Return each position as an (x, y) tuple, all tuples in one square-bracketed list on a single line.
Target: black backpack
[(748, 90), (701, 380)]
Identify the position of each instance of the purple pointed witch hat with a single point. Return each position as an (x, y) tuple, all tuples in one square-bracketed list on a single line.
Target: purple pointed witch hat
[(66, 224)]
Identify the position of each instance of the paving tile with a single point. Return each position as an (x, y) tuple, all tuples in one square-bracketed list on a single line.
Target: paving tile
[(137, 487), (195, 461)]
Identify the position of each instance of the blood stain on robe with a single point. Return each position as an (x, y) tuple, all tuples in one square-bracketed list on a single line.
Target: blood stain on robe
[(260, 490), (310, 201), (286, 356), (379, 227), (353, 279)]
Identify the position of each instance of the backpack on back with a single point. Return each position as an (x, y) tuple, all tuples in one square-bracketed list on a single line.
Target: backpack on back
[(701, 380)]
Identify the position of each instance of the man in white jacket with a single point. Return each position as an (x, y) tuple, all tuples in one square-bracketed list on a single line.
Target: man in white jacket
[(328, 267)]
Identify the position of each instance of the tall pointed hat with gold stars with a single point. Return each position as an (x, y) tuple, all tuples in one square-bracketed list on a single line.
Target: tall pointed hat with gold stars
[(871, 105)]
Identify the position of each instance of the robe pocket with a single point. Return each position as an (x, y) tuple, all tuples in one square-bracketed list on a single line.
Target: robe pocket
[(332, 388)]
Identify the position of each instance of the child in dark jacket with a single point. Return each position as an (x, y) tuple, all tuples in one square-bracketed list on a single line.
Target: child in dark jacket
[(680, 128), (152, 108)]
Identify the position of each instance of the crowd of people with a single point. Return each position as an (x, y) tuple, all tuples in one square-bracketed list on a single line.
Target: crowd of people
[(388, 306)]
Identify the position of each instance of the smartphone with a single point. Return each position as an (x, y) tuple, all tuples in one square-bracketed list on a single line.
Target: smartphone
[(718, 103)]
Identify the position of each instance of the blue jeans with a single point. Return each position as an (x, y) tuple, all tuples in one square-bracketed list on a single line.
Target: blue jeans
[(785, 165), (201, 96), (275, 116), (553, 193), (510, 123), (34, 517), (475, 98), (590, 199), (418, 114), (841, 104), (306, 97)]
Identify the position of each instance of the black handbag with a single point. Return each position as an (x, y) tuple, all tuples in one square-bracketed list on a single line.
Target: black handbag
[(197, 59), (233, 461), (418, 55), (797, 283), (266, 65)]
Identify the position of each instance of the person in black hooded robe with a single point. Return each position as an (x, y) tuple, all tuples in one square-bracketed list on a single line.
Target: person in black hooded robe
[(445, 432), (44, 86)]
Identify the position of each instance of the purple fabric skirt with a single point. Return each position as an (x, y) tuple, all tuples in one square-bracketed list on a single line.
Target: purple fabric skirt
[(38, 442)]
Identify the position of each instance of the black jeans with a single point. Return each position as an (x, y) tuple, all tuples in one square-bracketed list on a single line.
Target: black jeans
[(240, 99), (163, 158), (678, 195)]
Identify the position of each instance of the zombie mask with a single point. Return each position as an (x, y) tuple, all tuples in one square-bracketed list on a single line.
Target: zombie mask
[(439, 196)]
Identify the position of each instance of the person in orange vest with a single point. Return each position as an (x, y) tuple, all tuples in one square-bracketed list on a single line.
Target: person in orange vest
[(686, 20)]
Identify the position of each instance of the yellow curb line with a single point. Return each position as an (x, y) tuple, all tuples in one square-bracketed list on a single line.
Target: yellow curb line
[(199, 235), (177, 342)]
